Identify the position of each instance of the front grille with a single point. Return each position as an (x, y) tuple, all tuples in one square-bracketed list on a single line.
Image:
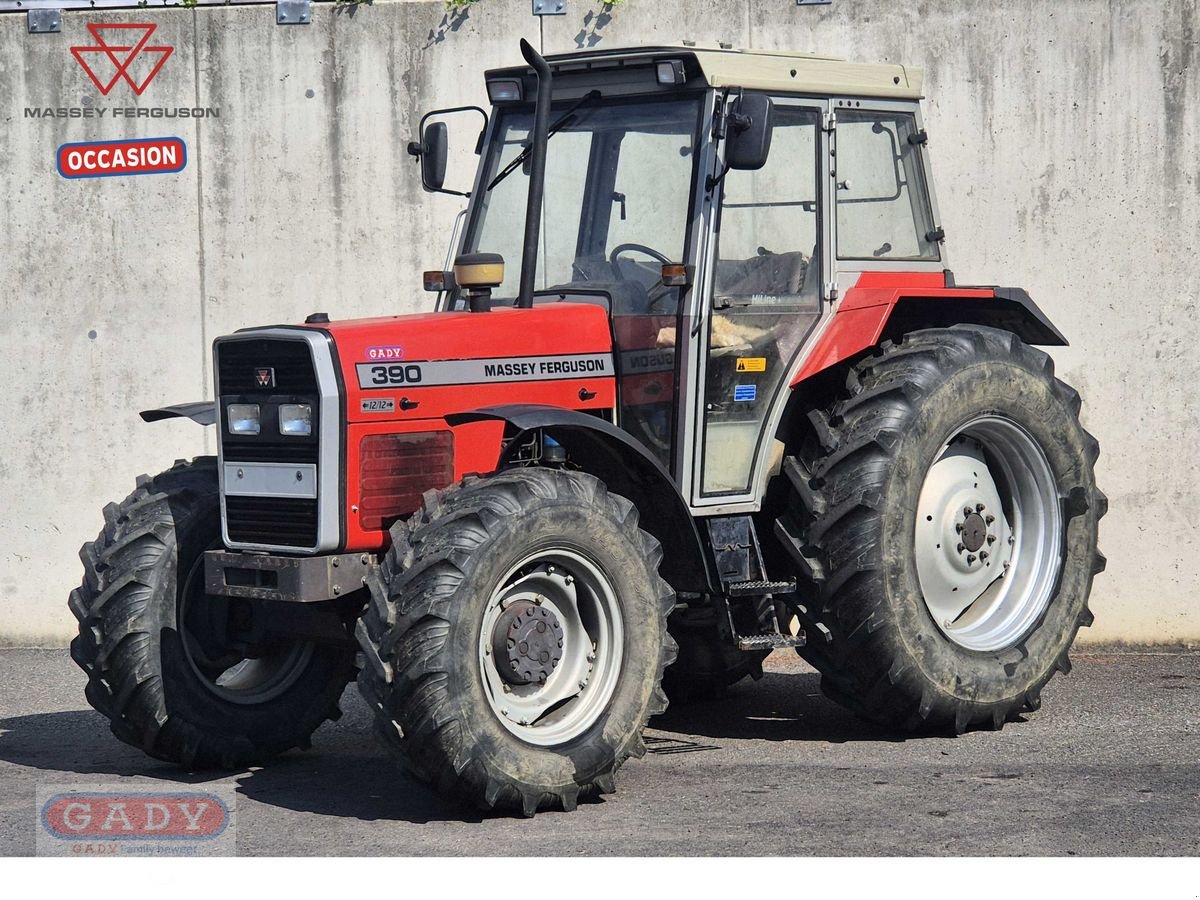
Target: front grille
[(291, 360), (271, 451), (269, 521), (274, 521)]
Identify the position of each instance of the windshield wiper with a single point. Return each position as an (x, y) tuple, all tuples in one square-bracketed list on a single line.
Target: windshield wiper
[(558, 126)]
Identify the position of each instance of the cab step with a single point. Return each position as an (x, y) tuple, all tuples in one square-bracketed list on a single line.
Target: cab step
[(769, 641), (759, 588)]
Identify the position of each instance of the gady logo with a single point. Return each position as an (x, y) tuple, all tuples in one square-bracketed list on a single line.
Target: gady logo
[(125, 820), (118, 52)]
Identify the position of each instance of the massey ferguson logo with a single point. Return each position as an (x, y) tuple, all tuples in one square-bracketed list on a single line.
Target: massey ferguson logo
[(265, 377), (113, 57)]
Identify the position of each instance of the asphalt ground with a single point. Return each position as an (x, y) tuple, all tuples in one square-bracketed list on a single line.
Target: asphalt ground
[(1110, 765)]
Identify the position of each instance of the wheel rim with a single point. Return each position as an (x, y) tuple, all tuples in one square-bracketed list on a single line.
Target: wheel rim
[(987, 542), (222, 668), (554, 693)]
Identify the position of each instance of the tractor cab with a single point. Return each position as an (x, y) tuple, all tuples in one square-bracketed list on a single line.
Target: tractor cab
[(708, 199)]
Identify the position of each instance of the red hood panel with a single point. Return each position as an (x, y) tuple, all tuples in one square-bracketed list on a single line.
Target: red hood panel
[(539, 348), (544, 330)]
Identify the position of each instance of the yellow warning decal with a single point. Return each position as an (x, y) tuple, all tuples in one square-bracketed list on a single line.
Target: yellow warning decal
[(752, 364)]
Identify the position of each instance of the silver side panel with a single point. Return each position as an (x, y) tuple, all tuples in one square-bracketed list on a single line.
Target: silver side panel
[(264, 479), (328, 485)]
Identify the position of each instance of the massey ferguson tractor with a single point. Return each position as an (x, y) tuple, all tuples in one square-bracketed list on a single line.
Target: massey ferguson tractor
[(699, 385)]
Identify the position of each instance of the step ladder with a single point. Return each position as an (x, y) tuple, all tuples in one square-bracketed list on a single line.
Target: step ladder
[(743, 578)]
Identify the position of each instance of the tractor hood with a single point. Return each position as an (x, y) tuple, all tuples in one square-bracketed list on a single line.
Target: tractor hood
[(447, 362)]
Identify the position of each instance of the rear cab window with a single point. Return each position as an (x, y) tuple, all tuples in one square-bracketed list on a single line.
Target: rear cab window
[(883, 208)]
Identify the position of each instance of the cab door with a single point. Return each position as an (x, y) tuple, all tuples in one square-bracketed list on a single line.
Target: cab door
[(763, 296)]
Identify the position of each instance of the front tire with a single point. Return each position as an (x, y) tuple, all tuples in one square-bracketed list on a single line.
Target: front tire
[(516, 638), (151, 645), (947, 508)]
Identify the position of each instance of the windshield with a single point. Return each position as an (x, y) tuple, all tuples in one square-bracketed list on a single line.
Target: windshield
[(617, 197)]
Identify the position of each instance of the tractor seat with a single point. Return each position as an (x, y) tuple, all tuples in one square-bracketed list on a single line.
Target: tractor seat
[(766, 274)]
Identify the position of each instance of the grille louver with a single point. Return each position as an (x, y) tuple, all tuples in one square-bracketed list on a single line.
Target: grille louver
[(282, 521)]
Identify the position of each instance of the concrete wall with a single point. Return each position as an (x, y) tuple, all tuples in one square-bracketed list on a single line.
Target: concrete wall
[(1064, 138)]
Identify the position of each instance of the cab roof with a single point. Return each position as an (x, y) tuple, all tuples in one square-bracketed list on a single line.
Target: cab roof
[(724, 66)]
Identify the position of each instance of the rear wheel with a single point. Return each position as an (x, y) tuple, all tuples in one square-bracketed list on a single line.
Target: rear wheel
[(165, 662), (947, 509), (516, 637)]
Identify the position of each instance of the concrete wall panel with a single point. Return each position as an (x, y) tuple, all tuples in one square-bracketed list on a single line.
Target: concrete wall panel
[(1063, 136)]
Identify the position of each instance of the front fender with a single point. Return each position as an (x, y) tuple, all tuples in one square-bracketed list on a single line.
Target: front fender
[(628, 469), (202, 412)]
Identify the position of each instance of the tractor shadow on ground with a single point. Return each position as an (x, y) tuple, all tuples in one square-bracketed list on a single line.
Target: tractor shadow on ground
[(782, 706), (79, 742), (348, 774)]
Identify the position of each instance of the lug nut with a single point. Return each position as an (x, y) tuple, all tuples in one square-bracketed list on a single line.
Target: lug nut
[(570, 579), (967, 510), (991, 539), (961, 548), (970, 558), (958, 527), (989, 519), (979, 507), (983, 554)]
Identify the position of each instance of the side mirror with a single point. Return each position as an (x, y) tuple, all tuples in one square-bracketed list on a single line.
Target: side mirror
[(750, 126), (433, 149)]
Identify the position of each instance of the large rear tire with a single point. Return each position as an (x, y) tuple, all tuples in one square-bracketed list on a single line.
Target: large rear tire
[(516, 637), (946, 507), (150, 642)]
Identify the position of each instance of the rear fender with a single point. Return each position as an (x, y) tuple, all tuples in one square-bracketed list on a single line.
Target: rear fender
[(877, 309), (628, 469)]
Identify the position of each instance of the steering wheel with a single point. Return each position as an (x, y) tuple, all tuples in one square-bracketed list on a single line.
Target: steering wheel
[(641, 248)]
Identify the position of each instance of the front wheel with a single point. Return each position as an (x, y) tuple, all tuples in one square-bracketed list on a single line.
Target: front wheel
[(165, 662), (947, 507), (516, 637)]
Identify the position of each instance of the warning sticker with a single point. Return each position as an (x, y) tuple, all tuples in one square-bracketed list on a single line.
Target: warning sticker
[(752, 364), (745, 392)]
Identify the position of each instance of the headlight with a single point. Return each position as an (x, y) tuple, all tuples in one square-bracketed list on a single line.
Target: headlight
[(295, 418), (243, 418)]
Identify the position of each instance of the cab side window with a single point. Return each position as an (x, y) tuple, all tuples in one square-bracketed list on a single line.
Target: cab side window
[(882, 202)]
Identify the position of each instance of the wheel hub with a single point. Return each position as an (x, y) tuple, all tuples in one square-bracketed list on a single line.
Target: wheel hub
[(527, 642), (974, 532)]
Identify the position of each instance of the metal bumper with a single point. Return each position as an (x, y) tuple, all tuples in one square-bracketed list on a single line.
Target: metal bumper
[(293, 579)]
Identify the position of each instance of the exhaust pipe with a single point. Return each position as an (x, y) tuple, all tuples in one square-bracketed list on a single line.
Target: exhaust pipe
[(537, 175)]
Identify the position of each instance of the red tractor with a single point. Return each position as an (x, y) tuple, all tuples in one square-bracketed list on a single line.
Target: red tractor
[(732, 400)]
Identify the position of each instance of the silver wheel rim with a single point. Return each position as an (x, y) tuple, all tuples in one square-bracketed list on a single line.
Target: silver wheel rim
[(575, 593), (243, 681), (987, 542)]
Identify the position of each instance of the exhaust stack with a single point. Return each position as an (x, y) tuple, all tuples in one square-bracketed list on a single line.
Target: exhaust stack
[(537, 175)]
